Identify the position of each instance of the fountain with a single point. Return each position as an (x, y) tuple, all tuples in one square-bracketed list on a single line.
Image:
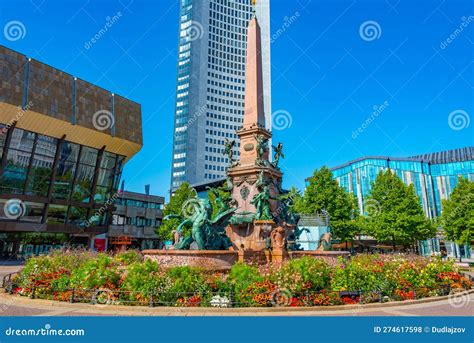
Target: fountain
[(254, 226)]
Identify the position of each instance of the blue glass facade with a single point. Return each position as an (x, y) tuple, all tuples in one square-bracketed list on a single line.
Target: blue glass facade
[(434, 177)]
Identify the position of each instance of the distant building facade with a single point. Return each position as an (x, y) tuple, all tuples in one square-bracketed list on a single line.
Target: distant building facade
[(433, 175), (135, 219), (63, 145), (310, 229), (211, 84)]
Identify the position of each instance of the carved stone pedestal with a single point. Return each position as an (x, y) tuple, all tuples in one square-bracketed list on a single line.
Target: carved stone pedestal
[(278, 239), (256, 236)]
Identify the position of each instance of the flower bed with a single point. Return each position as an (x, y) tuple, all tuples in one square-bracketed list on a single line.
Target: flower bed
[(128, 279)]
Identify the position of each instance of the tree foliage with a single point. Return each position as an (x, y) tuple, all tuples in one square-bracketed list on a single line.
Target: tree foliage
[(175, 206), (457, 217), (225, 196), (394, 212), (324, 195)]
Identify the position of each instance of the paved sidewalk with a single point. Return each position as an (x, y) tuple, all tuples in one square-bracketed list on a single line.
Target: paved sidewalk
[(7, 267), (22, 306)]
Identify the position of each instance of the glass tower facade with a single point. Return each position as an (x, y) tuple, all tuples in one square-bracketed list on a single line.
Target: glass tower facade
[(434, 177), (211, 84)]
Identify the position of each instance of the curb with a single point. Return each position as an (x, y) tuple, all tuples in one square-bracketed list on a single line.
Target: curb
[(12, 299)]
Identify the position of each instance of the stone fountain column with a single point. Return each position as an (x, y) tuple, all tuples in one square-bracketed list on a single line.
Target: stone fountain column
[(254, 173)]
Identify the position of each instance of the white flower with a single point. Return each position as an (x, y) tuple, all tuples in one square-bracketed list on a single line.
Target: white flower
[(218, 301)]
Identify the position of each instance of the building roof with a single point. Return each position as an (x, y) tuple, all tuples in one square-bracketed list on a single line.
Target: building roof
[(314, 220), (455, 155), (142, 197), (55, 103), (441, 157)]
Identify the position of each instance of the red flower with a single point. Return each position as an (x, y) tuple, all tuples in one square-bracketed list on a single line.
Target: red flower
[(294, 302), (350, 300)]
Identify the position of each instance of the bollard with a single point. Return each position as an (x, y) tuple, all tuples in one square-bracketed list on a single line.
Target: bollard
[(94, 298), (152, 302), (33, 291), (71, 298)]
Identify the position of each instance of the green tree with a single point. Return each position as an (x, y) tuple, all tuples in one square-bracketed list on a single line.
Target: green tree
[(457, 216), (324, 194), (394, 212), (225, 196), (175, 206)]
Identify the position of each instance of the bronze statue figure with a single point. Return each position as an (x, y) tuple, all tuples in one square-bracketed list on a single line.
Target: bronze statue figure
[(262, 204), (228, 150), (260, 183), (207, 232), (261, 148), (325, 242), (278, 153)]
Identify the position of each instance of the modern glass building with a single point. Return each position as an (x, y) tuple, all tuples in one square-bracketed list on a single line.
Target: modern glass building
[(433, 175), (63, 144), (211, 84)]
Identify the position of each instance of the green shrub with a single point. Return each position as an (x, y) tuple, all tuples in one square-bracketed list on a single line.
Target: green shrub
[(142, 279), (302, 274), (365, 273), (127, 278), (100, 272), (52, 270), (128, 257), (241, 276), (187, 280)]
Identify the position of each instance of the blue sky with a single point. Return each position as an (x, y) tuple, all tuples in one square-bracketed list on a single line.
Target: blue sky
[(329, 75)]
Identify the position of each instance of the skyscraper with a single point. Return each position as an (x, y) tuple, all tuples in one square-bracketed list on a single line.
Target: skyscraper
[(211, 84)]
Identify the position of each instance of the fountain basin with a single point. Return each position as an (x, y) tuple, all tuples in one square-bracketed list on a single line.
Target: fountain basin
[(330, 257), (223, 260), (212, 260)]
